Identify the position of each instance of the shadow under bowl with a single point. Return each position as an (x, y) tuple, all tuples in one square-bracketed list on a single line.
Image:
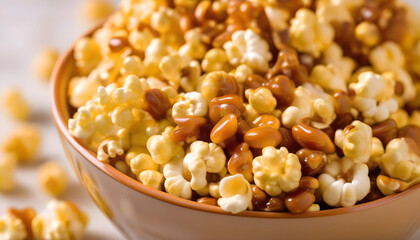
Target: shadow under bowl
[(140, 212)]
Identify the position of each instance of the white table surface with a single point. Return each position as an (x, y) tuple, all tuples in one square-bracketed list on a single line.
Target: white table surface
[(26, 26)]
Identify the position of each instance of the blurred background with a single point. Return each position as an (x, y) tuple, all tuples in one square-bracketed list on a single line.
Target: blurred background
[(26, 28)]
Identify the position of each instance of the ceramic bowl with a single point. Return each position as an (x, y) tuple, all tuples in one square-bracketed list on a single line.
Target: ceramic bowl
[(140, 212)]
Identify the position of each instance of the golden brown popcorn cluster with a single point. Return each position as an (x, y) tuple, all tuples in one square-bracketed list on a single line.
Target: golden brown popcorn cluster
[(255, 105)]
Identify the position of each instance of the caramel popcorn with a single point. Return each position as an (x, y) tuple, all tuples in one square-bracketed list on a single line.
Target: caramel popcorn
[(254, 105), (52, 178), (15, 105), (45, 62)]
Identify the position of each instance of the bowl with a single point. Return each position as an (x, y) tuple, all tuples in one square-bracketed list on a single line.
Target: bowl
[(142, 212)]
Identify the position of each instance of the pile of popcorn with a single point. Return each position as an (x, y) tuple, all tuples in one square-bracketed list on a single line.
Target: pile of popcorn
[(264, 105)]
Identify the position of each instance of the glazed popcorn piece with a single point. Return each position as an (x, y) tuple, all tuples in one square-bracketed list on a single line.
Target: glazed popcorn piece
[(309, 34), (389, 186), (328, 77), (60, 220), (45, 62), (401, 160), (333, 55), (248, 48), (344, 182), (276, 171), (152, 178), (23, 142), (355, 141), (236, 194), (375, 97), (215, 60), (12, 227), (52, 178), (202, 158), (15, 104), (87, 54), (8, 163)]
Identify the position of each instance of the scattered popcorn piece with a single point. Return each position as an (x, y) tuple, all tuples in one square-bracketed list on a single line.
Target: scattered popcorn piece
[(236, 194), (53, 178), (152, 178), (23, 142), (355, 141), (94, 10), (44, 63), (261, 99), (401, 162), (203, 157), (15, 105), (248, 48), (276, 171), (375, 97), (60, 220), (344, 182), (162, 148), (309, 34), (8, 163), (12, 228), (190, 104)]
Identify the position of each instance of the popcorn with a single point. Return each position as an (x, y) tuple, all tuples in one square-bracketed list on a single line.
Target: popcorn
[(139, 40), (310, 101), (355, 141), (162, 148), (330, 11), (344, 182), (154, 53), (152, 178), (374, 96), (387, 57), (23, 142), (60, 220), (175, 181), (87, 55), (203, 157), (15, 105), (261, 99), (276, 171), (132, 65), (242, 72), (190, 104), (248, 48), (401, 162), (236, 194), (52, 178), (81, 90), (333, 55), (401, 118), (142, 162), (328, 77), (309, 34), (193, 48), (415, 118), (109, 148), (367, 33), (277, 17), (8, 164), (45, 62), (12, 227), (215, 60), (190, 78)]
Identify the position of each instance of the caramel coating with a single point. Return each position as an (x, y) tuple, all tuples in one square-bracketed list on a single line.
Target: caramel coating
[(221, 106), (283, 89), (188, 127), (224, 129), (261, 137), (241, 161), (312, 161), (312, 138), (157, 103), (385, 131)]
